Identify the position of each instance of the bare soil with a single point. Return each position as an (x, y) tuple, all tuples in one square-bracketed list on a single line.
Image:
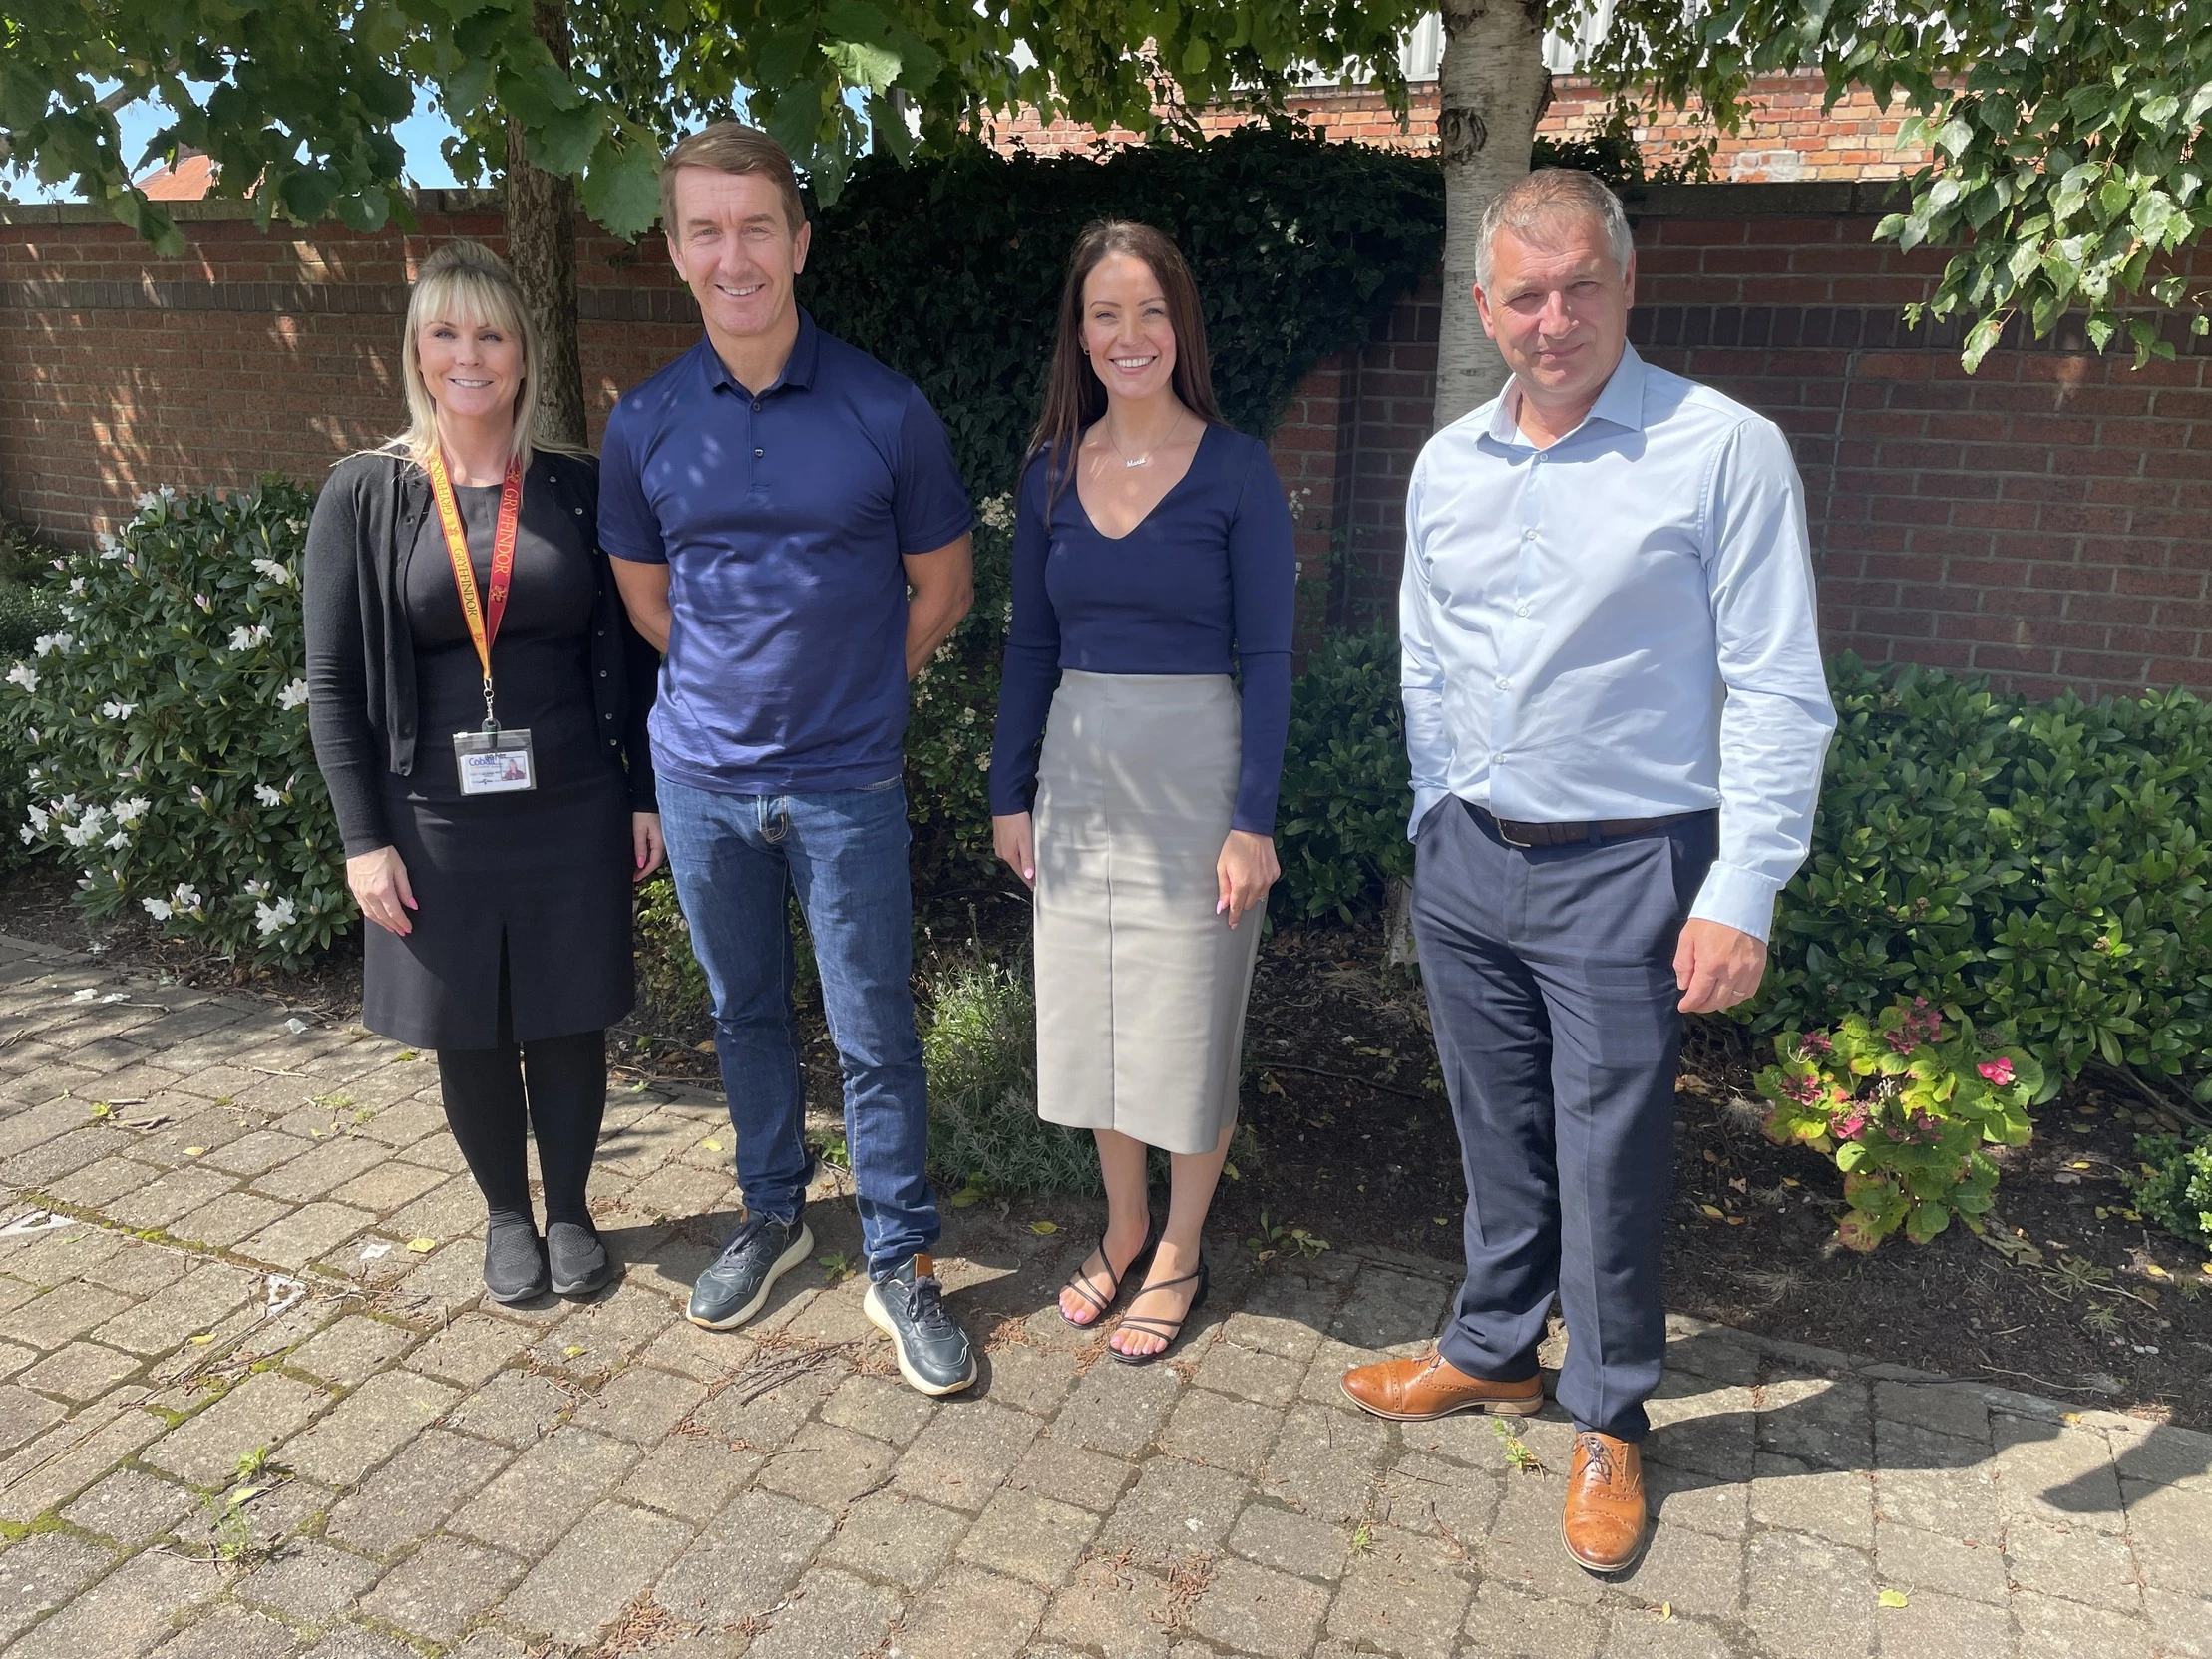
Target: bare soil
[(1355, 1145)]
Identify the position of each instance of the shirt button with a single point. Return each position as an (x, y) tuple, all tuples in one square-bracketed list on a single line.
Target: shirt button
[(1497, 760), (1529, 535), (758, 453), (1520, 611), (1504, 684), (756, 406)]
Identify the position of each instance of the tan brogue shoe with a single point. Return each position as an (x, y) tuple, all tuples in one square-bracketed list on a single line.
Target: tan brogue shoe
[(1430, 1386), (1604, 1525)]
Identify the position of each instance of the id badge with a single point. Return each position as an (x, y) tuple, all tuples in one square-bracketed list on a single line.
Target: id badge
[(494, 762)]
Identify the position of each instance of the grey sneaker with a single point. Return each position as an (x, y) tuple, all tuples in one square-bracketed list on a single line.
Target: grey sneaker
[(514, 1259), (578, 1257), (934, 1355), (760, 1252)]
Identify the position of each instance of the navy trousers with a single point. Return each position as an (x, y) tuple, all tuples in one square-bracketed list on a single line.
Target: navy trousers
[(1551, 987)]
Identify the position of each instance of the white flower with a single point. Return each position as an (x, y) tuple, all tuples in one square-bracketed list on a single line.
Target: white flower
[(292, 695), (132, 810), (267, 796), (997, 513), (185, 897), (282, 575), (38, 820), (118, 841), (113, 710), (274, 919), (246, 638), (75, 585), (148, 499), (159, 909), (25, 675), (255, 888), (52, 645)]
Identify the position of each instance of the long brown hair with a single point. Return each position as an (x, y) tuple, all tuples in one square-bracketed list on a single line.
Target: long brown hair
[(1074, 396)]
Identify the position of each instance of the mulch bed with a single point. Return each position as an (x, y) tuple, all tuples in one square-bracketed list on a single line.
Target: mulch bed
[(1355, 1145)]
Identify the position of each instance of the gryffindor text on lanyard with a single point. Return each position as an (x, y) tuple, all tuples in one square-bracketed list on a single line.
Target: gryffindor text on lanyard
[(492, 761)]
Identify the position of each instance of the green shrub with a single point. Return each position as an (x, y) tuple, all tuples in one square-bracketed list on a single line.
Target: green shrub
[(980, 1041), (2175, 1188), (2041, 866), (670, 980), (25, 613), (1905, 1111), (1340, 818), (166, 728)]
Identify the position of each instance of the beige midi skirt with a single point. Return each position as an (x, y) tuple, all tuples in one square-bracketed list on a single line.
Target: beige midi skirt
[(1141, 987)]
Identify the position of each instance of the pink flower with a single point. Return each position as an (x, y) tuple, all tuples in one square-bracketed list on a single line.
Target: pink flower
[(1818, 1042), (1804, 1090), (1998, 1071), (1850, 1128)]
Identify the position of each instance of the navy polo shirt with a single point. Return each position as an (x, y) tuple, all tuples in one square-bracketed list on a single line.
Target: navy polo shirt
[(782, 516)]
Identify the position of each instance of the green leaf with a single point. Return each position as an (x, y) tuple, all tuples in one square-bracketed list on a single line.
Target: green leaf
[(621, 186), (863, 65)]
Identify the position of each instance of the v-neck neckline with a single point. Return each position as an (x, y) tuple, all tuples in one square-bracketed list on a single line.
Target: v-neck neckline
[(1075, 487)]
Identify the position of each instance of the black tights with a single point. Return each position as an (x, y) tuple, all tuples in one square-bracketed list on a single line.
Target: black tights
[(557, 1088)]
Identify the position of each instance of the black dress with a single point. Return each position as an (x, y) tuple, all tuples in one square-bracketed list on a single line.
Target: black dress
[(523, 925)]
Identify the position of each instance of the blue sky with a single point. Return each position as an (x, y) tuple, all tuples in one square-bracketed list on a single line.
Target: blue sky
[(421, 133)]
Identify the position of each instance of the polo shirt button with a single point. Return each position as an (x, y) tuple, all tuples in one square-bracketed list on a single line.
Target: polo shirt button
[(602, 675), (1520, 611), (758, 453), (756, 406), (1504, 684)]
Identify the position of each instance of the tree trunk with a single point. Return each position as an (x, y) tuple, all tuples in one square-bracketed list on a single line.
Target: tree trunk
[(542, 248), (1491, 90)]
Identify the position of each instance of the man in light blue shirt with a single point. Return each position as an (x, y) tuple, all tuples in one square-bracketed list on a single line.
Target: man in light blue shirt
[(1618, 718)]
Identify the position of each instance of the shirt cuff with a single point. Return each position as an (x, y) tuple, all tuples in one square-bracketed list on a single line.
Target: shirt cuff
[(1737, 898), (1423, 799)]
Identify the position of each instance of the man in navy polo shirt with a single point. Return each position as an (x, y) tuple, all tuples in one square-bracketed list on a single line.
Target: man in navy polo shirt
[(770, 498)]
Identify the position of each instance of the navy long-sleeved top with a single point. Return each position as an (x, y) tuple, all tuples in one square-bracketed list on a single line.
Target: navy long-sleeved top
[(1204, 585)]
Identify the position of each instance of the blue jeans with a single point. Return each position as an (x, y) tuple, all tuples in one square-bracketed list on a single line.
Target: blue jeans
[(736, 858)]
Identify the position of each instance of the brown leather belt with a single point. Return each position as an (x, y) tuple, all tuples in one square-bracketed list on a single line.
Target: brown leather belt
[(1517, 833)]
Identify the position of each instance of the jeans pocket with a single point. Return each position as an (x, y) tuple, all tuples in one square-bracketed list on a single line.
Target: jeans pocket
[(890, 782)]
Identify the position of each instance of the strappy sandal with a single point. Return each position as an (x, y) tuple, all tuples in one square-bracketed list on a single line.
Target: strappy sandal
[(1082, 1286), (1159, 1327)]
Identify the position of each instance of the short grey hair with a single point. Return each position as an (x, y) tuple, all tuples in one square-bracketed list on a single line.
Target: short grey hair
[(1548, 194)]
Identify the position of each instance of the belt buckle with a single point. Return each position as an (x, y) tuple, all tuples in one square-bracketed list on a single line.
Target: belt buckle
[(1506, 835)]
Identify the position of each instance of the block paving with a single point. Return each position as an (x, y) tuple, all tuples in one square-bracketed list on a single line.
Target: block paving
[(253, 1405)]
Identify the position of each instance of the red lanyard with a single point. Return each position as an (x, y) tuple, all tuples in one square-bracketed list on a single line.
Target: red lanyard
[(483, 614)]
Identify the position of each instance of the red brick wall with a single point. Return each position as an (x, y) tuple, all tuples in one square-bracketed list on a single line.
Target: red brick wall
[(2047, 521), (252, 353), (1787, 137)]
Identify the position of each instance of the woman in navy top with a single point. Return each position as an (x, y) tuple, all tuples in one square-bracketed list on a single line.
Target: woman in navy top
[(1131, 785)]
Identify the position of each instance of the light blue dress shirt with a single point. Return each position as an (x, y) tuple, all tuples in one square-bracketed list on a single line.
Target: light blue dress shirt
[(1621, 625)]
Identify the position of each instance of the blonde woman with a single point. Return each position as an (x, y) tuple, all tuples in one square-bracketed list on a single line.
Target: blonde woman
[(478, 700)]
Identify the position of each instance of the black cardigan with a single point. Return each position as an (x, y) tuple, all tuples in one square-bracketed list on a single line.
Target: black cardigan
[(361, 652)]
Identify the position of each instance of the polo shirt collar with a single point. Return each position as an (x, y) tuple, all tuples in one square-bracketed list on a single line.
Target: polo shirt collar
[(799, 368), (1620, 403)]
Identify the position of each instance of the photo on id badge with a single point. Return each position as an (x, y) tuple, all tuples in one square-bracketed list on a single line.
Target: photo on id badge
[(494, 762)]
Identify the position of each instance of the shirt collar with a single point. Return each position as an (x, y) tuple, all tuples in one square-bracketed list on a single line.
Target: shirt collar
[(799, 368), (1620, 403)]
